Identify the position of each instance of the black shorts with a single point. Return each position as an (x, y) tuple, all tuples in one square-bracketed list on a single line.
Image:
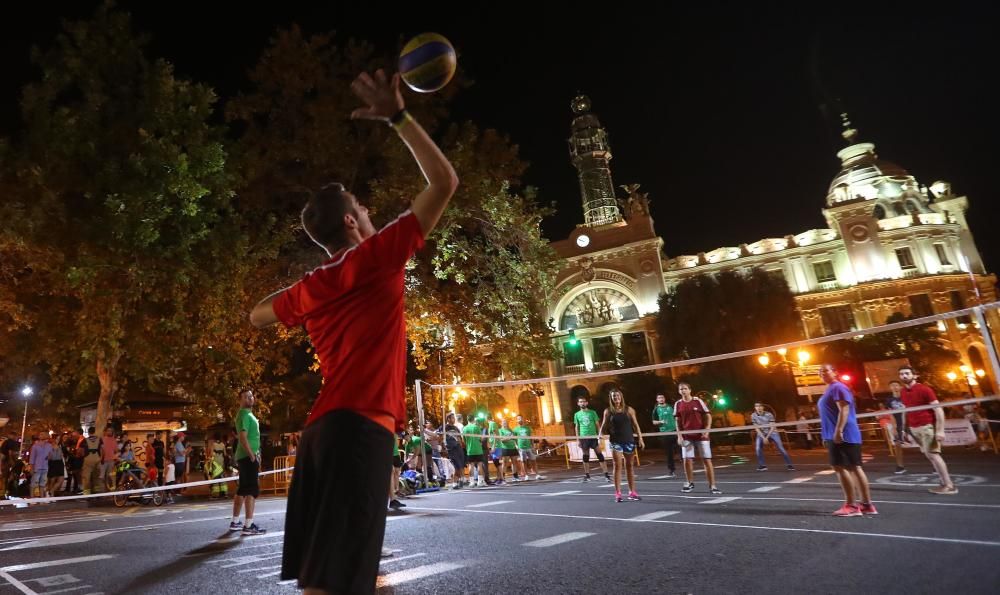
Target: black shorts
[(509, 452), (473, 459), (249, 479), (843, 454), (336, 513), (397, 461), (587, 443), (457, 457)]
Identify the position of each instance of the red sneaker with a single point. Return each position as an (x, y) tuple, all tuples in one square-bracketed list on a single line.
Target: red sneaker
[(847, 510), (868, 508)]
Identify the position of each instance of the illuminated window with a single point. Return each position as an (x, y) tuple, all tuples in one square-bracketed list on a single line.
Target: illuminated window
[(920, 305), (837, 319)]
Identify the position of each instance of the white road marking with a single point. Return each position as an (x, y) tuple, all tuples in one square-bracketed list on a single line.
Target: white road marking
[(244, 560), (58, 540), (652, 516), (490, 503), (397, 559), (261, 568), (68, 589), (33, 565), (765, 489), (17, 584), (663, 477), (24, 525), (566, 493), (237, 536), (734, 526), (799, 480), (558, 539), (412, 574), (721, 500), (825, 472), (403, 517)]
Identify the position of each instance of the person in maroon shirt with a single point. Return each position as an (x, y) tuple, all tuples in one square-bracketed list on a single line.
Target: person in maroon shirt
[(352, 309), (694, 416), (926, 426)]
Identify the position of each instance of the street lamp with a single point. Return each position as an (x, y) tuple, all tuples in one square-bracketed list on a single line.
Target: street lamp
[(26, 392), (764, 360), (803, 356)]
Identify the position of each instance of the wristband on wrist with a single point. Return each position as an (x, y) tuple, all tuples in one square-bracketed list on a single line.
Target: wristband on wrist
[(400, 119)]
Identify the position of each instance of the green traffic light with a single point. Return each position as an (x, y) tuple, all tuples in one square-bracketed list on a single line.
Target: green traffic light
[(572, 338), (722, 401)]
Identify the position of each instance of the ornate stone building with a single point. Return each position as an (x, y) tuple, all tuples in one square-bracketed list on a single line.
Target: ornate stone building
[(890, 245)]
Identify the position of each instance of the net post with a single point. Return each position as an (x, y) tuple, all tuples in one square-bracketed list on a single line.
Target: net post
[(984, 329), (420, 428)]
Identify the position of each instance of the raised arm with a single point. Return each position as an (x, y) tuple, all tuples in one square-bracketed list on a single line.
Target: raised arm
[(384, 102)]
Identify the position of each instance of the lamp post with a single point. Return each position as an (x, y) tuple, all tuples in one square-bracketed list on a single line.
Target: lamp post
[(26, 392), (970, 377), (802, 355)]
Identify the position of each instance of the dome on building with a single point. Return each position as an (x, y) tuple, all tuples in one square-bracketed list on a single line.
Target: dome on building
[(863, 176)]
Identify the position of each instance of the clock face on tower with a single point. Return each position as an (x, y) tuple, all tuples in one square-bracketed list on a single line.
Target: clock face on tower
[(583, 240), (598, 307)]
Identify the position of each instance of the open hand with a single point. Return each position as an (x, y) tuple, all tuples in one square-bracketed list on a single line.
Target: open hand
[(380, 94)]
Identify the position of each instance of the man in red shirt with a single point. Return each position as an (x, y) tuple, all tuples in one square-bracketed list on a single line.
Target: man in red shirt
[(693, 415), (352, 308), (926, 426)]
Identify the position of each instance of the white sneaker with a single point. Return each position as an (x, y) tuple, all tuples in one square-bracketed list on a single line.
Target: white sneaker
[(481, 484), (539, 476), (386, 552)]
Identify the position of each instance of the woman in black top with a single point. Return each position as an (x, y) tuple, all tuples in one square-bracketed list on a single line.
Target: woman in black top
[(620, 418)]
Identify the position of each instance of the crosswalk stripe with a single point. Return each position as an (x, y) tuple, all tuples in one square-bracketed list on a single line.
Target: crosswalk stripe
[(652, 516), (397, 559), (491, 503), (403, 517), (722, 500), (558, 539), (825, 472), (419, 572), (663, 477), (566, 493), (800, 480), (765, 489)]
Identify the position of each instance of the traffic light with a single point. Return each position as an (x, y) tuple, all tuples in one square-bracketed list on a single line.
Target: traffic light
[(722, 400), (572, 338)]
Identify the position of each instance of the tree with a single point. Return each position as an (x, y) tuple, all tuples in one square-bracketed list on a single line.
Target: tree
[(921, 345), (716, 314), (475, 294), (127, 233)]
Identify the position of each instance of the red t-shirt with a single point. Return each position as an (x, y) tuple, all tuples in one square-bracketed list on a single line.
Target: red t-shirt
[(352, 308), (918, 394), (690, 416)]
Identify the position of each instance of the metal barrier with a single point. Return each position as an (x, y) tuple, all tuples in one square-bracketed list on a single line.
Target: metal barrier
[(283, 478)]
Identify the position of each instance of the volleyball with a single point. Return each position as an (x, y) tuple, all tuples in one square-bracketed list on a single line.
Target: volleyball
[(427, 62)]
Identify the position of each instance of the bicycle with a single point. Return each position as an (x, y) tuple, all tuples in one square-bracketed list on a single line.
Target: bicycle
[(133, 478)]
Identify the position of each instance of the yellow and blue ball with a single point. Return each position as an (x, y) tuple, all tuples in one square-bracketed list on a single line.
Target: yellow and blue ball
[(427, 62)]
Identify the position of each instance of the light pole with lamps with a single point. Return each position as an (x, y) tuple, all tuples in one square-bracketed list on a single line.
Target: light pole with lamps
[(802, 355), (25, 392)]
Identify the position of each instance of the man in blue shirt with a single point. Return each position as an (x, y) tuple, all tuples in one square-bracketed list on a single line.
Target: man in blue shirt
[(842, 438)]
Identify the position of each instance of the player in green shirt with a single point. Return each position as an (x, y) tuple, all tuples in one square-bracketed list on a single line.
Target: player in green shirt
[(508, 450), (664, 421), (248, 464), (493, 454), (525, 450), (585, 420), (474, 453)]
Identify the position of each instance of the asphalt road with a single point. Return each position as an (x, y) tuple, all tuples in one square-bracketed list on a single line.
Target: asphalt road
[(770, 532)]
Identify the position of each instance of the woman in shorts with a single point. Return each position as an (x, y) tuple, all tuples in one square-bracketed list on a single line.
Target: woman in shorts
[(619, 418)]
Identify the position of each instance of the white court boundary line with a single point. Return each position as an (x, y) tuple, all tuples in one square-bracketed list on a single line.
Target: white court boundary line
[(4, 572), (729, 526)]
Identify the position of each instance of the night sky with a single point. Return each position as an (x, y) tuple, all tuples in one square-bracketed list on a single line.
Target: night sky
[(727, 117)]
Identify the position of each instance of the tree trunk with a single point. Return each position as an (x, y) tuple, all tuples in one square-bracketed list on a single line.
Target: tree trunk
[(107, 375)]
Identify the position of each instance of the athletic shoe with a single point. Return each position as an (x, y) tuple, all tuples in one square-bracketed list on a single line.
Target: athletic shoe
[(236, 526), (586, 478), (386, 552), (253, 530), (499, 482), (618, 496), (632, 496), (847, 510), (688, 487), (791, 467), (944, 490), (900, 470), (516, 480), (715, 490), (396, 504), (868, 508), (539, 476), (671, 475), (481, 484), (762, 468), (607, 477)]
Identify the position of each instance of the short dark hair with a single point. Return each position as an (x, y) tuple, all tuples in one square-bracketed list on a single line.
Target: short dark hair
[(910, 368), (896, 382), (323, 215)]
